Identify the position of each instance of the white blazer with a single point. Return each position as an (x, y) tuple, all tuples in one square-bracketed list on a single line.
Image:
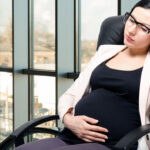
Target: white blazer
[(81, 87)]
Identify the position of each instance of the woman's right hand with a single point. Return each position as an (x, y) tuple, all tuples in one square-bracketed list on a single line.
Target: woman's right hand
[(85, 128)]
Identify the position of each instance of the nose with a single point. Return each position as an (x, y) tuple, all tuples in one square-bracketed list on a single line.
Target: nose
[(132, 29)]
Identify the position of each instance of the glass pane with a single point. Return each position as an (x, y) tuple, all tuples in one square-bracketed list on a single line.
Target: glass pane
[(44, 100), (92, 16), (6, 105), (44, 34), (126, 5), (6, 33)]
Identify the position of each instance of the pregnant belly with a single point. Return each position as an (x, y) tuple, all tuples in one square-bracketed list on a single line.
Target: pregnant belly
[(113, 112)]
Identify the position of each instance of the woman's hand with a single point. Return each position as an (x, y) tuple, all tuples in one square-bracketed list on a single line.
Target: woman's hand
[(84, 128)]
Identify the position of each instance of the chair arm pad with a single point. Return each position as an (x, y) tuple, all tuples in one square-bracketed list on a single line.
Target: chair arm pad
[(132, 137), (30, 124), (17, 135)]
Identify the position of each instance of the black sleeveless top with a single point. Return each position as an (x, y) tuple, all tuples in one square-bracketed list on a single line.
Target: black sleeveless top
[(113, 101)]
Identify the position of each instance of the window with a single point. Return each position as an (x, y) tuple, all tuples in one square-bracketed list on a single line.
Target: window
[(92, 15), (6, 83), (6, 105), (44, 96), (44, 34), (42, 57), (126, 5), (6, 33)]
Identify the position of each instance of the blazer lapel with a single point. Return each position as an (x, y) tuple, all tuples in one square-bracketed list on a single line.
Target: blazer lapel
[(144, 89), (108, 51)]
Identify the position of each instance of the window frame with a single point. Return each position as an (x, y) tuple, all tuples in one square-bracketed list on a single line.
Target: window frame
[(21, 68)]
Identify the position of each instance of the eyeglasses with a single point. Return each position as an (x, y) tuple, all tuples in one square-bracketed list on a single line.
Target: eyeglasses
[(130, 20)]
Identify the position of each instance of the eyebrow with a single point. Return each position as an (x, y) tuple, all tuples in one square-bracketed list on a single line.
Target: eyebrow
[(141, 22)]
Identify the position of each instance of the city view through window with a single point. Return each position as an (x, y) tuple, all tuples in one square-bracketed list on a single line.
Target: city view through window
[(6, 33), (6, 105), (92, 15), (43, 47), (44, 34), (6, 101)]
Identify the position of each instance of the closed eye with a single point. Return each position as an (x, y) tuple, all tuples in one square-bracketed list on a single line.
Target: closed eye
[(144, 29), (131, 20)]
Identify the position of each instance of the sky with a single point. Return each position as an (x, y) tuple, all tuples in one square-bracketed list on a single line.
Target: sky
[(5, 11), (93, 12)]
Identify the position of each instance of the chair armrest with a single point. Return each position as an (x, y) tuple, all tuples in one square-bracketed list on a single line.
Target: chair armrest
[(30, 124), (132, 137), (29, 127)]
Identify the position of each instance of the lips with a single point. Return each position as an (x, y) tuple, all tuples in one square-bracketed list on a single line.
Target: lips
[(128, 38)]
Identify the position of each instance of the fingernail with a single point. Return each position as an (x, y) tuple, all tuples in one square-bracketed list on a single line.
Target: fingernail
[(97, 121), (103, 140), (106, 137)]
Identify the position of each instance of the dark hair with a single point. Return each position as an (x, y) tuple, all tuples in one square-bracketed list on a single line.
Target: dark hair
[(143, 4)]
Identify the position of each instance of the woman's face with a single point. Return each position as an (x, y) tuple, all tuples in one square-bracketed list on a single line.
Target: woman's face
[(136, 36)]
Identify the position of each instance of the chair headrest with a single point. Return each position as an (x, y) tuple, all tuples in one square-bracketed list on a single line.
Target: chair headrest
[(111, 31)]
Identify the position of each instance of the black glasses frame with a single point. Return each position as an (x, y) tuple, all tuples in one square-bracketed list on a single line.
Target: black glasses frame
[(127, 15)]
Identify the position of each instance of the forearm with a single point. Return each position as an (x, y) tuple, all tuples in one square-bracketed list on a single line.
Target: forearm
[(65, 105), (67, 119)]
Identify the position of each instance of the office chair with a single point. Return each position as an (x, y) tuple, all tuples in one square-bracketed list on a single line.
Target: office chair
[(111, 32)]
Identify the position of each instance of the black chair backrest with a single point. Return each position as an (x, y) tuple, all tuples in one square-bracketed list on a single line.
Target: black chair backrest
[(111, 31)]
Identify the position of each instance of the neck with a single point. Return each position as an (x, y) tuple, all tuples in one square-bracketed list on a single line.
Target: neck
[(136, 52)]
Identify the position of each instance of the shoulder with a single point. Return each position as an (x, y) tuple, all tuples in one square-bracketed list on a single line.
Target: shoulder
[(105, 49)]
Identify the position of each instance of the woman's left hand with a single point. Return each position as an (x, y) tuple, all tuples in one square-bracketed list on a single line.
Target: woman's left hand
[(85, 128)]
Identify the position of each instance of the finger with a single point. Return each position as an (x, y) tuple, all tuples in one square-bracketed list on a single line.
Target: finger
[(90, 120), (86, 140), (97, 135), (94, 139), (97, 128)]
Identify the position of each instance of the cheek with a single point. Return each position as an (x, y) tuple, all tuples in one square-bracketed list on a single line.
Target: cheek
[(142, 41)]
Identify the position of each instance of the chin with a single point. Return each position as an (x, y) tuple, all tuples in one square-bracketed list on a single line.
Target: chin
[(128, 44)]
